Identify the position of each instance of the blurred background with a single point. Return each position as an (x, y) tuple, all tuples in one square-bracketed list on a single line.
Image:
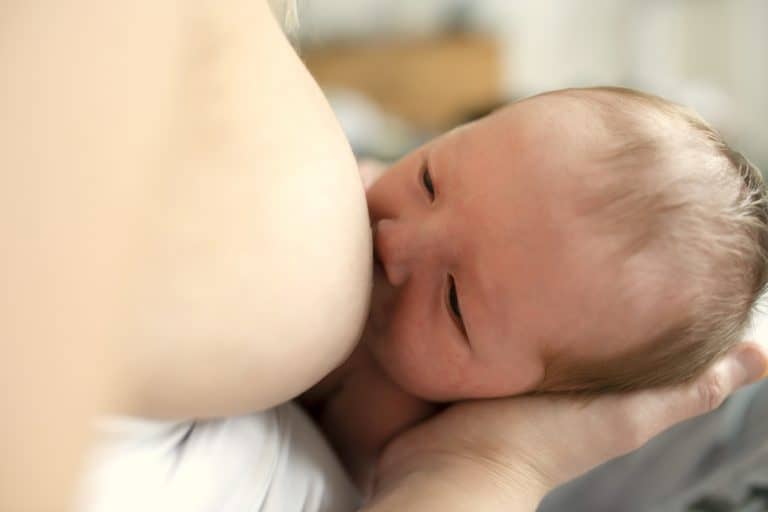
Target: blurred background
[(399, 71)]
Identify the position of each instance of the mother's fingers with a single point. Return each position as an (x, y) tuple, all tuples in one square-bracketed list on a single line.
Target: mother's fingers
[(612, 425), (648, 413), (550, 439)]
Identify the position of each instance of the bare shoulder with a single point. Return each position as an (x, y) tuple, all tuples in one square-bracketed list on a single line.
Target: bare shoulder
[(256, 273)]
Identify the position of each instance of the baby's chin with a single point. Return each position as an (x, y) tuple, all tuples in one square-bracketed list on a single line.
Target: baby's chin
[(415, 380), (429, 390)]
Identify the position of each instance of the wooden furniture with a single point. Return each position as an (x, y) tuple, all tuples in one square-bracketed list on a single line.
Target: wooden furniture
[(432, 83)]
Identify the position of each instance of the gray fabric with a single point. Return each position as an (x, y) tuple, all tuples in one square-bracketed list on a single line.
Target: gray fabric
[(721, 455)]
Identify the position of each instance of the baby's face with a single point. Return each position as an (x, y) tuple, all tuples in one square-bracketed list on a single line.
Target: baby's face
[(482, 275)]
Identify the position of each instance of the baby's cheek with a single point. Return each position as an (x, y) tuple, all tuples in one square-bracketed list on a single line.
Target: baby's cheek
[(438, 366)]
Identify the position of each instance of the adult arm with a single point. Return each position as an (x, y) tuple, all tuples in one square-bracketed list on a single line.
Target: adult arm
[(507, 454)]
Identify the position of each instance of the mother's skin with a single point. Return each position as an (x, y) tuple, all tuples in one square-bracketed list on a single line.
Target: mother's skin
[(178, 243), (185, 231)]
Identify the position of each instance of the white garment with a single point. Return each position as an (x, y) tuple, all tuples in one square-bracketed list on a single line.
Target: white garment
[(273, 461)]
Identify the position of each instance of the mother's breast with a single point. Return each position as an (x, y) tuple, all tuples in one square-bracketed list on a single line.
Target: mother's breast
[(255, 275)]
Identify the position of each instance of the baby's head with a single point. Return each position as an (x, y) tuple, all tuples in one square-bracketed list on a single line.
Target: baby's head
[(587, 239)]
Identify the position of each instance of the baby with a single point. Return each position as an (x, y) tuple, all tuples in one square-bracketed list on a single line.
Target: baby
[(587, 240)]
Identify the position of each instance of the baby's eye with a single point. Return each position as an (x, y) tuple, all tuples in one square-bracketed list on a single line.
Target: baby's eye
[(453, 302), (426, 179)]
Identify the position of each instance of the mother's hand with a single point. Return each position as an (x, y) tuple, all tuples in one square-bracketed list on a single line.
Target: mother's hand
[(507, 453)]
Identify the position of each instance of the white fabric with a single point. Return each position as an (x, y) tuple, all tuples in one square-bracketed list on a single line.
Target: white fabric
[(273, 461)]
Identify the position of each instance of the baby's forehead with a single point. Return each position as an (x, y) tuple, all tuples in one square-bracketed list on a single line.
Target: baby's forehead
[(559, 123), (557, 147)]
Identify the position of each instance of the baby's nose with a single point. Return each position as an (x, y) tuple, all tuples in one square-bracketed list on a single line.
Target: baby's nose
[(398, 248)]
